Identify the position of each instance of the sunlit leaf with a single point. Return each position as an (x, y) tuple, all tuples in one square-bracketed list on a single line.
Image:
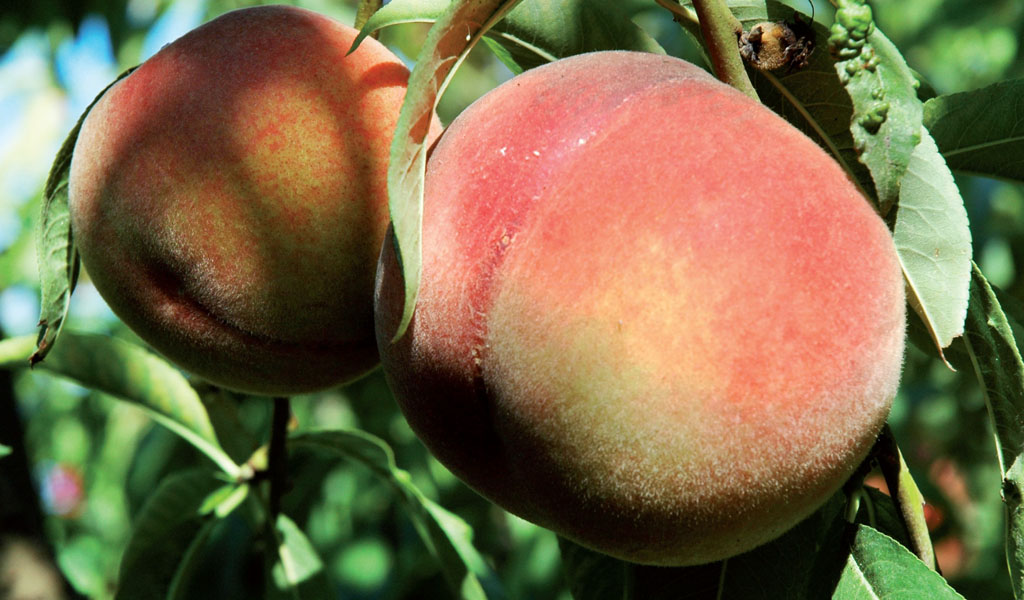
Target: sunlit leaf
[(130, 373), (55, 248), (981, 131), (879, 567), (165, 529), (933, 241), (298, 572), (456, 31), (539, 31), (447, 536), (996, 360), (886, 121)]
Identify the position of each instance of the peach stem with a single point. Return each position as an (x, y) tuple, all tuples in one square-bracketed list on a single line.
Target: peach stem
[(906, 495), (721, 31), (277, 461)]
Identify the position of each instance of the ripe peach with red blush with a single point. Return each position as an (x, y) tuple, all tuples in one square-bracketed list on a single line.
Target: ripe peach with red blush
[(654, 317)]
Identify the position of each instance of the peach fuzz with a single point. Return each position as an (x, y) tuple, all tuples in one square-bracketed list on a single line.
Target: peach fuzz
[(228, 198), (654, 317)]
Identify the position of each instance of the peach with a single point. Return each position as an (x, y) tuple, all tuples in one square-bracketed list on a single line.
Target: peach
[(654, 317), (228, 198)]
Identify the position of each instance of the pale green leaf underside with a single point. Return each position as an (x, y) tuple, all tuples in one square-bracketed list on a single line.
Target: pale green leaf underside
[(130, 373), (933, 241), (981, 131), (447, 536), (879, 568)]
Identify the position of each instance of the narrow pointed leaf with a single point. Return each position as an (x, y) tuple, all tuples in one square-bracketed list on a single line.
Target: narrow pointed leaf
[(981, 131), (129, 373), (164, 530), (933, 241), (55, 248), (879, 567), (886, 123), (450, 39), (538, 31), (996, 360), (446, 536)]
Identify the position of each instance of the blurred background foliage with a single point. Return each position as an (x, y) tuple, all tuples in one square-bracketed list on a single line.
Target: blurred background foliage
[(94, 461)]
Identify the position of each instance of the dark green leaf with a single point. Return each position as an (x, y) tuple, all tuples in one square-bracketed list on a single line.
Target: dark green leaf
[(879, 567), (981, 131), (190, 562), (57, 257), (450, 39), (538, 31), (298, 571), (933, 240), (996, 360), (887, 115), (879, 511), (447, 537), (130, 373), (165, 530)]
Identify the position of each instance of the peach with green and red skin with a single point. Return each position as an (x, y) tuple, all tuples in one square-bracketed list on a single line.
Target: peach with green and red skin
[(229, 198), (654, 317)]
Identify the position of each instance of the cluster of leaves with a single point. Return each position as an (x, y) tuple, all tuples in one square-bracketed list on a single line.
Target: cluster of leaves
[(860, 101)]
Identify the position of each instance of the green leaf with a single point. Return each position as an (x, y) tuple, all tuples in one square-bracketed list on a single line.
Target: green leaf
[(981, 131), (538, 31), (447, 537), (190, 561), (879, 567), (996, 360), (5, 450), (55, 248), (933, 241), (886, 122), (298, 571), (449, 41), (129, 373), (166, 531)]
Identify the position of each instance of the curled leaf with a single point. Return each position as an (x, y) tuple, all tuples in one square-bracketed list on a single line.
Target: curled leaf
[(56, 254)]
